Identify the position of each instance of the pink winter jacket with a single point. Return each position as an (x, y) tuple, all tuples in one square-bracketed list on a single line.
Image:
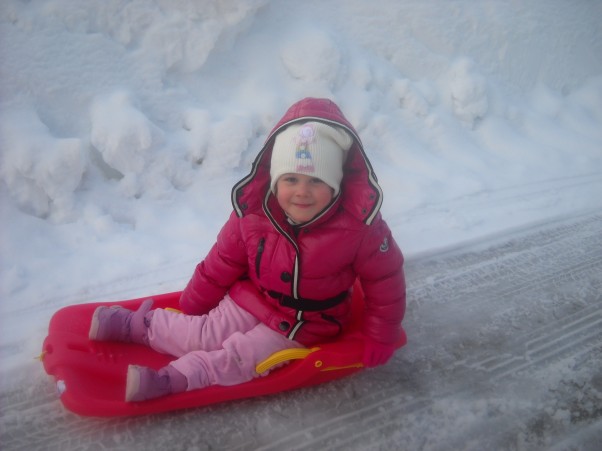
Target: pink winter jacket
[(297, 280)]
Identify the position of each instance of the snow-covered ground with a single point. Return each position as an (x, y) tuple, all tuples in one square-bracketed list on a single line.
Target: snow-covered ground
[(124, 124), (505, 353)]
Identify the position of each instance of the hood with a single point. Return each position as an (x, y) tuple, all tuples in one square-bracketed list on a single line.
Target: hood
[(360, 193)]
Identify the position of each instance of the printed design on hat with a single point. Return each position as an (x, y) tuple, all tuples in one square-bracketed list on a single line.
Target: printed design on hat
[(305, 136)]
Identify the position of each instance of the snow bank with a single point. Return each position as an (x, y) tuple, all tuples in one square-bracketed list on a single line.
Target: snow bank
[(38, 168), (158, 94)]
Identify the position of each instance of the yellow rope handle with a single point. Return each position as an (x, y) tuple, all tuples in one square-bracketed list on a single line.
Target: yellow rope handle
[(173, 310), (283, 356)]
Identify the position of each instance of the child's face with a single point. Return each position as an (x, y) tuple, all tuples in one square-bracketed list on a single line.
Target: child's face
[(302, 197)]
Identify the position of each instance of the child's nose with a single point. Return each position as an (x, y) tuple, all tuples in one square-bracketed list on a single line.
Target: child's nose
[(303, 189)]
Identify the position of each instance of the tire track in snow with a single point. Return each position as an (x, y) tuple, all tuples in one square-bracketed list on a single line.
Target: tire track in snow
[(384, 415), (579, 334), (497, 269)]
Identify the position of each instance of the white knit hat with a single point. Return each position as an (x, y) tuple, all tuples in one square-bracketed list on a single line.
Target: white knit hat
[(311, 148)]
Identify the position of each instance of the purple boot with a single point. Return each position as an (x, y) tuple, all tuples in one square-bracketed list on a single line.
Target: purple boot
[(145, 383), (116, 323)]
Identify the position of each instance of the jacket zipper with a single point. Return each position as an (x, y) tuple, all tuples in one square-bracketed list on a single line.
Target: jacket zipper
[(291, 240), (260, 248)]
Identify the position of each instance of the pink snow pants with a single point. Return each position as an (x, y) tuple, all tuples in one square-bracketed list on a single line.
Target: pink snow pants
[(222, 347)]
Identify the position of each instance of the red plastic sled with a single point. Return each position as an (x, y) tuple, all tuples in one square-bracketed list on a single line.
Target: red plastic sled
[(90, 375)]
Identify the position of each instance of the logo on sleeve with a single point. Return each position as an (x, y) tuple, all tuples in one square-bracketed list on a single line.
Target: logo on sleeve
[(384, 247)]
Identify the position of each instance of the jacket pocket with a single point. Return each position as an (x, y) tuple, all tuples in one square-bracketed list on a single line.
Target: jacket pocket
[(260, 248)]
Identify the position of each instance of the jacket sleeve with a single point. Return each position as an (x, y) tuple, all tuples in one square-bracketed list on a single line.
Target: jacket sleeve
[(379, 265), (225, 263)]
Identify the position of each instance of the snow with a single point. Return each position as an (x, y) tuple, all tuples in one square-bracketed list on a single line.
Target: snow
[(124, 124)]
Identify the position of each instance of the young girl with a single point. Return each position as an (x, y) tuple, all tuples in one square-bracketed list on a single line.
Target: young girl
[(305, 225)]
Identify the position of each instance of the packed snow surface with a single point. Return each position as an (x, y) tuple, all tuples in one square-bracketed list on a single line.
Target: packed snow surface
[(124, 124)]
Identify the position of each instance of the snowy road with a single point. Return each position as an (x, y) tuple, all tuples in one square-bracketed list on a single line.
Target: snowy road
[(505, 352)]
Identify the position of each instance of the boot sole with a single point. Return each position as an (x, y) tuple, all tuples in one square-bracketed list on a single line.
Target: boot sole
[(95, 324), (132, 386)]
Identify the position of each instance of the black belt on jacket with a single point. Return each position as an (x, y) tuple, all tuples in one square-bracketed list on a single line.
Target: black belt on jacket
[(310, 305)]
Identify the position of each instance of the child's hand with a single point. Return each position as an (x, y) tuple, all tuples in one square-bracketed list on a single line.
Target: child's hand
[(376, 353)]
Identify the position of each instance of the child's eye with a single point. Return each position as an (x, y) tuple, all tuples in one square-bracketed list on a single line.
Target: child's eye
[(290, 179), (317, 180)]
